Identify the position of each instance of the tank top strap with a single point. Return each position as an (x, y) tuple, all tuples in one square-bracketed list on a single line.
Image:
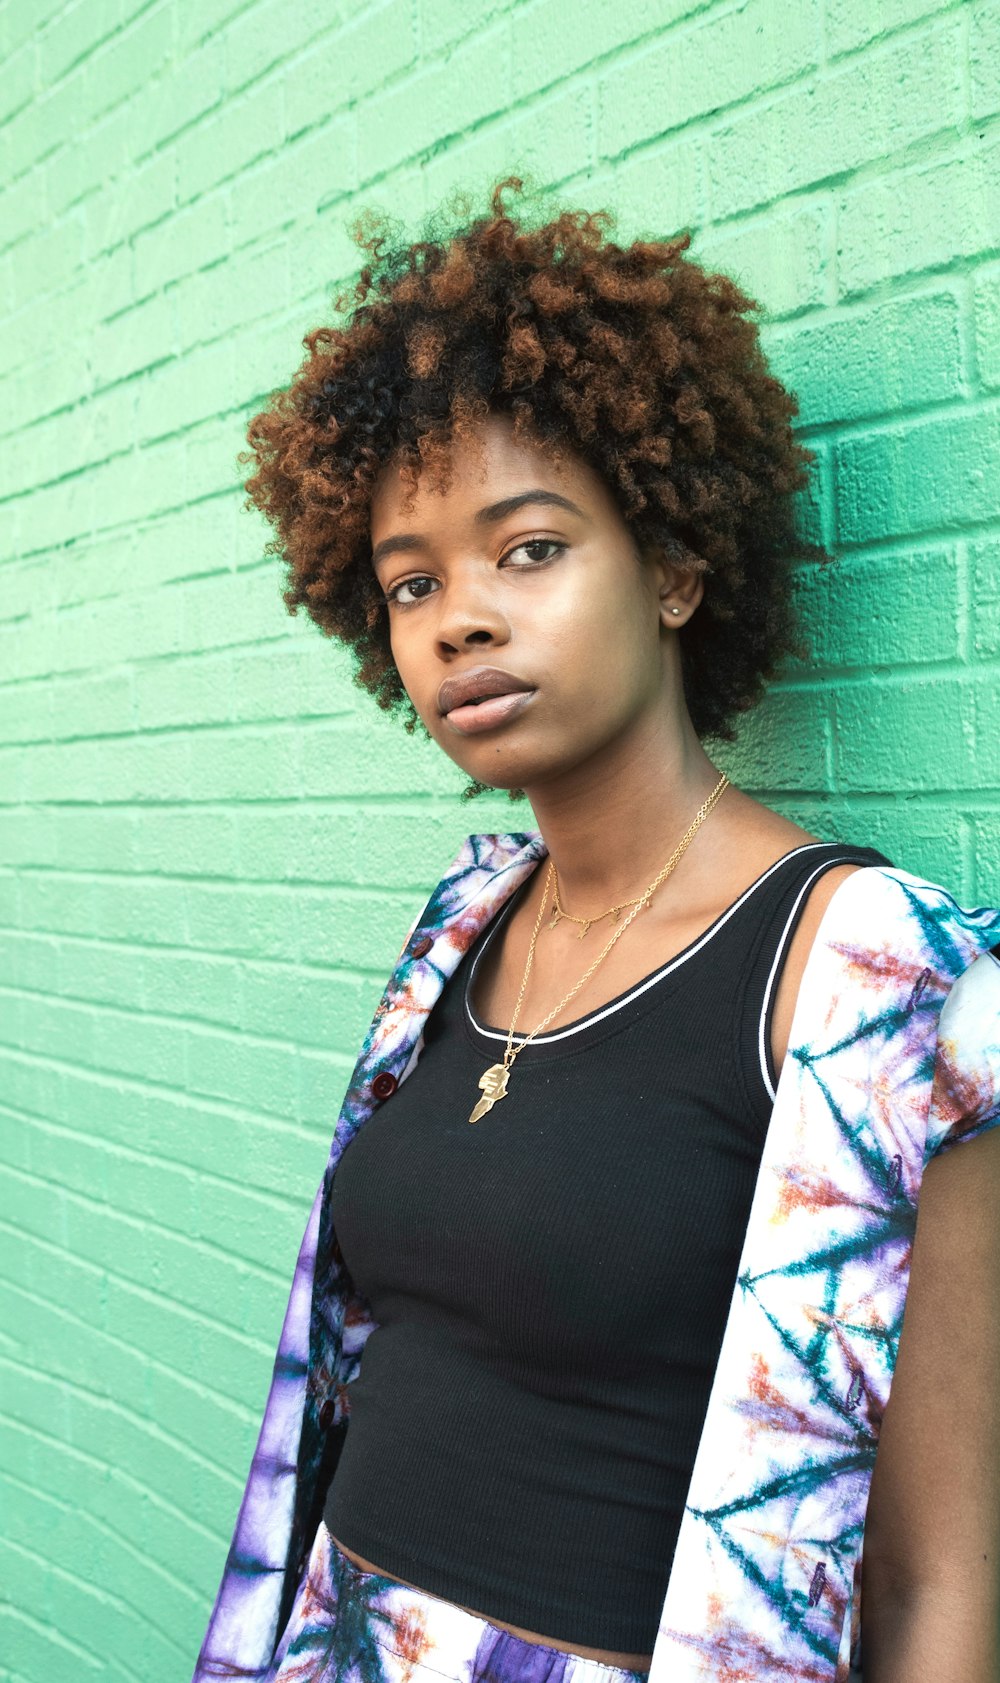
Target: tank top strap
[(774, 911)]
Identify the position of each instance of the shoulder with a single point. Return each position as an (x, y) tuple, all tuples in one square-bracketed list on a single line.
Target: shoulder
[(885, 908), (887, 948), (966, 1096)]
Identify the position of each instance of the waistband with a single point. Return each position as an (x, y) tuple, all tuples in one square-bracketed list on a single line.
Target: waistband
[(413, 1629)]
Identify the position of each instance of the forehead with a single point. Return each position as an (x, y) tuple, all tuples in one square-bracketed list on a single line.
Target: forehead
[(483, 466)]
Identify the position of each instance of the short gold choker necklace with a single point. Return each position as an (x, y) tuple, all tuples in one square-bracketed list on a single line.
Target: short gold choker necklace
[(494, 1080), (558, 914)]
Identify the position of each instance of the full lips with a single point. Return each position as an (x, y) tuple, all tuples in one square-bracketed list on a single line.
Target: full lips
[(472, 718)]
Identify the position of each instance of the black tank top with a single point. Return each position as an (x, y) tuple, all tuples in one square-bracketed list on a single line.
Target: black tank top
[(551, 1285)]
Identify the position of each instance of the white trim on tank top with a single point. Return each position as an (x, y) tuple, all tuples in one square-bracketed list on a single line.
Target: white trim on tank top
[(778, 955), (657, 975)]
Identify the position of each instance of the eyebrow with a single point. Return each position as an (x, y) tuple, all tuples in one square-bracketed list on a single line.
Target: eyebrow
[(487, 516)]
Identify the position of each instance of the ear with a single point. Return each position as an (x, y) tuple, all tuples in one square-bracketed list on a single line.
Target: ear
[(680, 589)]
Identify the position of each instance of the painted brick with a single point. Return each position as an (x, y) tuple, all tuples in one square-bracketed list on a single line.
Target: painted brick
[(301, 1006), (34, 962), (985, 844), (41, 125), (871, 107), (24, 206), (192, 985), (21, 23), (851, 23), (79, 30), (185, 93), (100, 973), (177, 395), (141, 52), (374, 48), (441, 100), (47, 259), (212, 842), (294, 843), (227, 296), (19, 77), (785, 741), (781, 256), (296, 182), (553, 133), (705, 68), (926, 834), (873, 361), (260, 37), (554, 38), (135, 340), (655, 191), (987, 319), (193, 239), (27, 835), (86, 832), (815, 504), (984, 58), (183, 842), (919, 219), (933, 474), (141, 199), (228, 919), (85, 168), (209, 462), (895, 604), (932, 720), (219, 148), (984, 596)]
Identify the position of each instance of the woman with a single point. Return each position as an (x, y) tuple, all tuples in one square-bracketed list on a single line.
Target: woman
[(610, 1288)]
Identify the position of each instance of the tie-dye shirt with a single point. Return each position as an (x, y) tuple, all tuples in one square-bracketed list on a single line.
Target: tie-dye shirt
[(894, 1056)]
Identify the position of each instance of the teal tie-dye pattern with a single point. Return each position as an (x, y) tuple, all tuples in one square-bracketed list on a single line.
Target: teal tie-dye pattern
[(894, 1056), (349, 1626)]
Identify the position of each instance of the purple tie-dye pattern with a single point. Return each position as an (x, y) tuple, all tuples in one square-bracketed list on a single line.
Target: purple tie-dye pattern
[(349, 1626), (880, 1076)]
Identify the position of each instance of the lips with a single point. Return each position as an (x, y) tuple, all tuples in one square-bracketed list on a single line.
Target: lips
[(477, 685)]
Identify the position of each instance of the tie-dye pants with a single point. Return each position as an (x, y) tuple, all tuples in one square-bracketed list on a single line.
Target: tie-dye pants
[(349, 1626)]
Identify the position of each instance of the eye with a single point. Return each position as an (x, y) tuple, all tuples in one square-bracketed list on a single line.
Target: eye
[(394, 595), (418, 594), (535, 543)]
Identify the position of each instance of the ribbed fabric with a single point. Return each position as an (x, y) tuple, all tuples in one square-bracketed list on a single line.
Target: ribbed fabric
[(551, 1285)]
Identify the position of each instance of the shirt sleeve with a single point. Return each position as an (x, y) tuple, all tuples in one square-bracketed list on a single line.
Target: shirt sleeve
[(965, 1100)]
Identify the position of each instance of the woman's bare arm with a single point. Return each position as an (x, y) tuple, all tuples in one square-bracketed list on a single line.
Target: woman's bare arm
[(931, 1575)]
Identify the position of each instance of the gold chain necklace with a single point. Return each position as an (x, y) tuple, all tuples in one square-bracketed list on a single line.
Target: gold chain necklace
[(494, 1081), (558, 913)]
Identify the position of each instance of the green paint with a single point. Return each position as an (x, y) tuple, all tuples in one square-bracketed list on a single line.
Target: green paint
[(210, 841)]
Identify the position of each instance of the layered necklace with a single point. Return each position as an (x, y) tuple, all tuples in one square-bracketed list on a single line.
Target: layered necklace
[(495, 1080)]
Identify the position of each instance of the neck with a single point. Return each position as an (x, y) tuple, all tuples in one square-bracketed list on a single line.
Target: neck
[(611, 824)]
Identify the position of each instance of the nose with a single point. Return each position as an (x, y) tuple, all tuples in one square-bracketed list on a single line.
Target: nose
[(470, 613)]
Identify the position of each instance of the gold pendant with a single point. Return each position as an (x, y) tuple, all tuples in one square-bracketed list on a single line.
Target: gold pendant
[(494, 1085)]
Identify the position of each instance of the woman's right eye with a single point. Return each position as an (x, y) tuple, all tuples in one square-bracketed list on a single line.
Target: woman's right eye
[(394, 595)]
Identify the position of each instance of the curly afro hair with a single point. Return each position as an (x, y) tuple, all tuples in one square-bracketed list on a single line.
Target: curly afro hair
[(634, 357)]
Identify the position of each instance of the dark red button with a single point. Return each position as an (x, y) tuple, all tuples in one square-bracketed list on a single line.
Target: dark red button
[(384, 1085), (326, 1415), (421, 948)]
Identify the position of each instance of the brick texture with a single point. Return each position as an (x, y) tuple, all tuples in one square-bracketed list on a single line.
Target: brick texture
[(211, 842)]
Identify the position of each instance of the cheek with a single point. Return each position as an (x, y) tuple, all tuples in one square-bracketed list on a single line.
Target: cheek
[(410, 663), (602, 630)]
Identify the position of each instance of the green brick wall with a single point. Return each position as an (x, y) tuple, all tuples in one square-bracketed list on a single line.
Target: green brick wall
[(211, 843)]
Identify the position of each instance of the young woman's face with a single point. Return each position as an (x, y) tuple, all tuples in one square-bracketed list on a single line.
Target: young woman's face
[(522, 573)]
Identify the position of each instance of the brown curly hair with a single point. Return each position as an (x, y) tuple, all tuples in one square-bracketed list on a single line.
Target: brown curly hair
[(631, 356)]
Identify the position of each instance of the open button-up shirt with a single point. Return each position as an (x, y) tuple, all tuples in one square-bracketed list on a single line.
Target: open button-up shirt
[(894, 1056)]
